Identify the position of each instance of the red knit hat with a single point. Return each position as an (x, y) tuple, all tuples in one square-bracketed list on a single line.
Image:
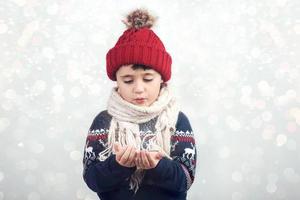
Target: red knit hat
[(139, 45)]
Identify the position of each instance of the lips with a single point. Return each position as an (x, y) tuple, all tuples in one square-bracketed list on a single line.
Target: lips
[(140, 100)]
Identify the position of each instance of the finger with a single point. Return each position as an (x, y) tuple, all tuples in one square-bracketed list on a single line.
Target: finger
[(121, 151), (131, 156), (116, 147), (151, 159), (159, 155), (138, 160), (125, 156), (145, 160)]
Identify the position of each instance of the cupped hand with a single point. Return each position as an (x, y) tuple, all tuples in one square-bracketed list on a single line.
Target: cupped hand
[(147, 159), (125, 155)]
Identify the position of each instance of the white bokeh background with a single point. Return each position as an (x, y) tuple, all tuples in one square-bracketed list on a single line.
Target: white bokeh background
[(236, 74)]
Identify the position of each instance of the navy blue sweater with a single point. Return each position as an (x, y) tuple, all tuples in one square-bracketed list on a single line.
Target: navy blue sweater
[(169, 180)]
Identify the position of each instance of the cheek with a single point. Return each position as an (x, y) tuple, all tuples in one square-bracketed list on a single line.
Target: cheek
[(155, 90), (124, 91)]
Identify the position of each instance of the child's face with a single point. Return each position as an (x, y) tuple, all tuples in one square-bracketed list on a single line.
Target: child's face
[(140, 87)]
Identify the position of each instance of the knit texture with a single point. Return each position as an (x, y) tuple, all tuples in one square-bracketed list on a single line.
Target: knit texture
[(124, 126), (169, 180), (139, 46)]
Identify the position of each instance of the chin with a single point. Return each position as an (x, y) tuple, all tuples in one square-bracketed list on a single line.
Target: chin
[(141, 105)]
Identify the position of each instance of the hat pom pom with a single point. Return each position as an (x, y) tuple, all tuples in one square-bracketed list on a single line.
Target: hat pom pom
[(138, 19)]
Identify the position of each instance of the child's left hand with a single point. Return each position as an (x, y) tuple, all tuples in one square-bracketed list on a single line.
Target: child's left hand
[(147, 159)]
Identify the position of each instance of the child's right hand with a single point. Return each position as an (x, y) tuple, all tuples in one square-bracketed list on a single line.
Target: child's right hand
[(125, 155)]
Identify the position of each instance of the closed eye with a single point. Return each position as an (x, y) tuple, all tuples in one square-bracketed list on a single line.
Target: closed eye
[(128, 82), (131, 81)]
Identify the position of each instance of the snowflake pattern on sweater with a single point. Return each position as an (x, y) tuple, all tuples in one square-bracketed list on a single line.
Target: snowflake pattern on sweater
[(171, 178)]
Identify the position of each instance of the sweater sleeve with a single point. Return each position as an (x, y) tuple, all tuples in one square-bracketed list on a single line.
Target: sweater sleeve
[(177, 174), (102, 176)]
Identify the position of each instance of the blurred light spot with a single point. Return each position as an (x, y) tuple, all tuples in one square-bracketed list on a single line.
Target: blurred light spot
[(78, 169), (266, 116), (52, 9), (291, 127), (212, 119), (268, 132), (258, 162), (291, 175), (246, 90), (20, 144), (32, 164), (10, 94), (52, 133), (295, 113), (69, 146), (75, 91), (58, 99), (24, 121), (237, 176), (94, 88), (246, 168), (203, 138), (271, 188), (218, 134), (19, 2), (1, 176), (274, 11), (236, 196), (73, 73), (256, 122), (282, 100), (291, 94), (224, 152), (21, 165), (255, 52), (233, 123), (260, 104), (281, 2), (247, 100), (58, 90), (4, 123), (48, 53), (297, 28), (3, 28), (38, 87), (33, 196), (75, 155), (27, 33), (80, 193), (61, 177), (251, 10), (36, 147), (255, 179), (272, 178), (88, 197), (228, 104), (7, 105), (265, 89), (258, 151), (30, 179), (291, 145), (281, 139)]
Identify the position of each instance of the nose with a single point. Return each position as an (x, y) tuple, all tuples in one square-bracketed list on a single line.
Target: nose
[(138, 87)]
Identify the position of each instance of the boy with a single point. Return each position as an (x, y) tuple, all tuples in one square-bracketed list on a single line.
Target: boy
[(142, 147)]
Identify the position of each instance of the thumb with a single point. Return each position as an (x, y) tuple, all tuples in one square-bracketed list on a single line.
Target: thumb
[(159, 155)]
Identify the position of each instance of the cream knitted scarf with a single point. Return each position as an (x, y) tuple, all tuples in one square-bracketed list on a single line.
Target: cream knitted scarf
[(124, 126)]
